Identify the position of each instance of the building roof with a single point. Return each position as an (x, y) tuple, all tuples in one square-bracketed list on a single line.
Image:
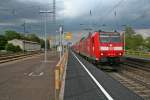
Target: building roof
[(25, 41)]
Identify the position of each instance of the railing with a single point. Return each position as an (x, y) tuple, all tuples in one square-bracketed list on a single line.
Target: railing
[(59, 73), (11, 57), (138, 53)]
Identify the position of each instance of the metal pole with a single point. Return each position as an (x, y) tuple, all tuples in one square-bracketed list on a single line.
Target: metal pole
[(60, 41), (45, 37), (54, 11), (45, 32), (24, 26), (124, 42), (63, 42), (56, 43)]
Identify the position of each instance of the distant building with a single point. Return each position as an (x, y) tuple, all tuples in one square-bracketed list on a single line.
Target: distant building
[(26, 45)]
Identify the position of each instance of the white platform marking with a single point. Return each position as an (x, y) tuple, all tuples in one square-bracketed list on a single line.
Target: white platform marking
[(42, 73), (94, 79), (33, 74), (30, 74)]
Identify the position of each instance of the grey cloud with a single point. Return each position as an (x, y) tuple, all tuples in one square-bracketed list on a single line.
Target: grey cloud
[(130, 12), (14, 11)]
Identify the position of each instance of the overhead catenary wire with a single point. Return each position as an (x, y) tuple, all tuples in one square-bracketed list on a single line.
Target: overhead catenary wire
[(108, 12), (16, 13)]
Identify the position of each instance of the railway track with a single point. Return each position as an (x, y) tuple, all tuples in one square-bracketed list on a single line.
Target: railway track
[(134, 77), (133, 84), (142, 66), (12, 57)]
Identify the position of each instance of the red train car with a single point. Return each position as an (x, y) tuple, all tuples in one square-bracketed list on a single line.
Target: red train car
[(101, 46)]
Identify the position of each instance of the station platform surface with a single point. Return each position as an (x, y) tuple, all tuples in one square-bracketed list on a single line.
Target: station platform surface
[(86, 82)]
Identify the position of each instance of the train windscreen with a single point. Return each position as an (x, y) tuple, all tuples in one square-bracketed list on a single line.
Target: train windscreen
[(109, 37)]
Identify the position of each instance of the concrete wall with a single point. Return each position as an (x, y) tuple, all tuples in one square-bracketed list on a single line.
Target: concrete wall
[(17, 42), (26, 45)]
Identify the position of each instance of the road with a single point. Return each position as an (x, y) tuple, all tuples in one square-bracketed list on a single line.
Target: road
[(28, 79)]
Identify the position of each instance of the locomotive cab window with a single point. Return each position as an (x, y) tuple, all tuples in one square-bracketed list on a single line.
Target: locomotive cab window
[(104, 37), (109, 37), (115, 37)]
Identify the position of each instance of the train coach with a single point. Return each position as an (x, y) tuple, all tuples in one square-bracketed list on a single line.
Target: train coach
[(101, 47)]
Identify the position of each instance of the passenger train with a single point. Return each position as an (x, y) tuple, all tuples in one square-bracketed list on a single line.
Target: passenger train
[(101, 47)]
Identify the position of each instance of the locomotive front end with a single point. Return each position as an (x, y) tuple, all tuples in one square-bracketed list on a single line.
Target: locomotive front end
[(110, 46)]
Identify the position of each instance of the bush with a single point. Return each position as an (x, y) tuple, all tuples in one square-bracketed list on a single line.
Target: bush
[(3, 42), (18, 49), (12, 48)]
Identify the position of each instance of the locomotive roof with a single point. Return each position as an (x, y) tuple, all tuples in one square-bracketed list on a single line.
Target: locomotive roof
[(108, 32), (104, 32)]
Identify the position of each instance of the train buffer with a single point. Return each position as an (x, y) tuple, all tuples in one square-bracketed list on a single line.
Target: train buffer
[(83, 81)]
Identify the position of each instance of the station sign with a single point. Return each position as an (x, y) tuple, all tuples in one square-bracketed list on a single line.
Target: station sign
[(68, 36)]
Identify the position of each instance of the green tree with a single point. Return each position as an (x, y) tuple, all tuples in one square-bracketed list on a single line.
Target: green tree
[(48, 45), (10, 35), (129, 42), (3, 42), (129, 31), (11, 48), (33, 37), (23, 37), (42, 42), (147, 43), (17, 49), (138, 41), (133, 41)]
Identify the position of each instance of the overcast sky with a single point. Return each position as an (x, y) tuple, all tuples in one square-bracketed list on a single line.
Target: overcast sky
[(72, 13)]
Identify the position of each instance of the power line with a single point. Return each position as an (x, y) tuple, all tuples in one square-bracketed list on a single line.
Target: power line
[(112, 9), (54, 11)]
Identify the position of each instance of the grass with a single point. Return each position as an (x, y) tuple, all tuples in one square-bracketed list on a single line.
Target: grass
[(137, 54)]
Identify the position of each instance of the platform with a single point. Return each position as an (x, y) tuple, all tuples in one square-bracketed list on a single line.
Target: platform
[(29, 78), (85, 82)]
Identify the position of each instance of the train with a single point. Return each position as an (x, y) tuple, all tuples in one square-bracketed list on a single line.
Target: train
[(101, 47)]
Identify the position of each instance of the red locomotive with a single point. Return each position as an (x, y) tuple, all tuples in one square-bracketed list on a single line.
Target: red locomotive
[(101, 47)]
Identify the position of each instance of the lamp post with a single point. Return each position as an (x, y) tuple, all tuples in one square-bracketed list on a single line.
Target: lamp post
[(124, 38), (60, 39), (45, 12)]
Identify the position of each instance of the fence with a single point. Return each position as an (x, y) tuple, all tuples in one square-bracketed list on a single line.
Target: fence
[(59, 72), (137, 53)]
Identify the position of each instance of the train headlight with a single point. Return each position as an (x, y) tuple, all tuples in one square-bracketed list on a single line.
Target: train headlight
[(118, 48), (104, 48), (120, 54)]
